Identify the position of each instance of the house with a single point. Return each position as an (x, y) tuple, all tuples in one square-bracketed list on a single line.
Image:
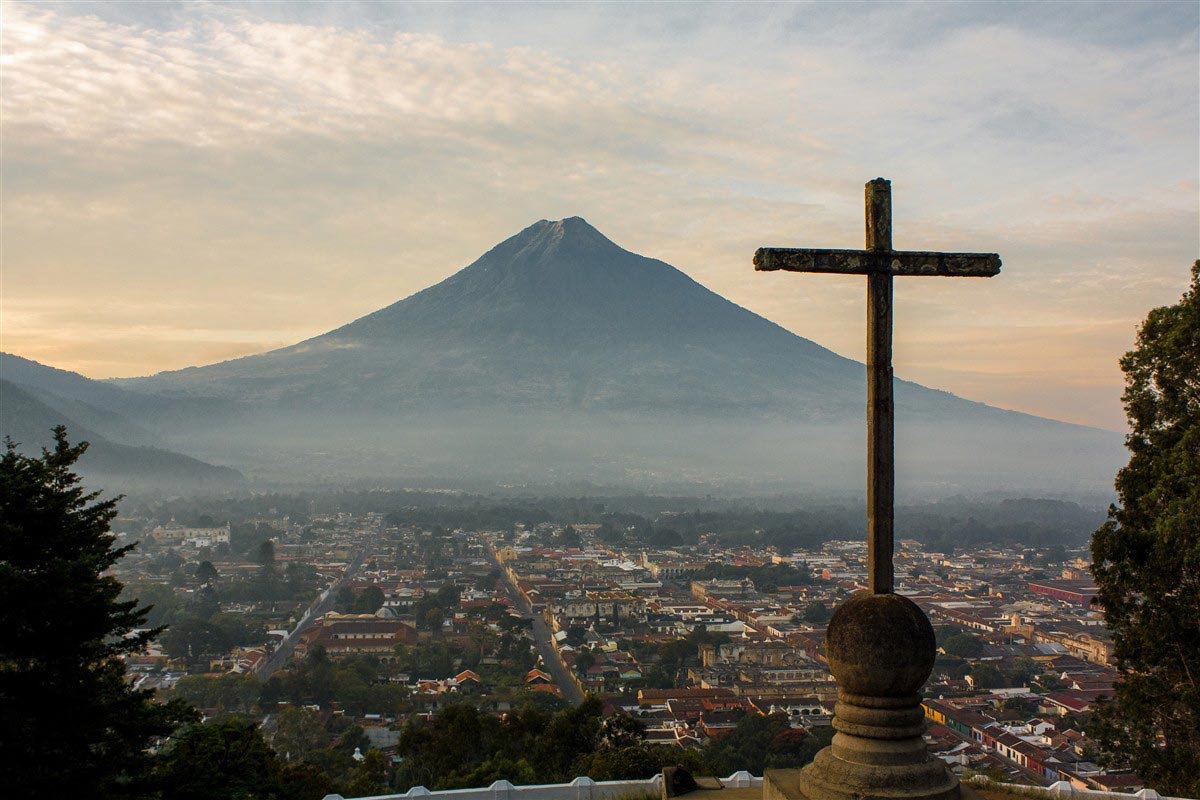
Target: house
[(356, 634), (535, 677)]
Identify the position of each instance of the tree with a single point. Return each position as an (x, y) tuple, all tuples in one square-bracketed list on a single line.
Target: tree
[(370, 601), (194, 637), (621, 730), (569, 537), (229, 693), (65, 631), (299, 733), (576, 636), (206, 573), (761, 742), (817, 613), (641, 761), (226, 760), (1146, 557), (487, 583), (265, 555), (1054, 555), (370, 776), (432, 620), (571, 737), (1021, 671), (963, 645), (205, 603), (610, 534), (986, 676), (665, 537)]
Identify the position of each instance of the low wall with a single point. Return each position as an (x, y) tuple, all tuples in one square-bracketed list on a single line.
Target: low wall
[(578, 789), (1064, 789), (588, 789)]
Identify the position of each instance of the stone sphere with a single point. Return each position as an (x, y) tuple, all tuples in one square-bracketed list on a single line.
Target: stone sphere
[(880, 645)]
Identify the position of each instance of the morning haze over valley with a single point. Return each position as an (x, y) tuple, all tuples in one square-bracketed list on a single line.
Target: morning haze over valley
[(599, 400)]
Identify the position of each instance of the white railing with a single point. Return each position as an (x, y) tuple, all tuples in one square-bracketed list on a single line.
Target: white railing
[(578, 789), (588, 789), (1064, 789)]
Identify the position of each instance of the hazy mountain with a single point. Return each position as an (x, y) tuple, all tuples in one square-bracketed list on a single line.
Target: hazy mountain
[(65, 384), (557, 317), (141, 410), (558, 352), (28, 420)]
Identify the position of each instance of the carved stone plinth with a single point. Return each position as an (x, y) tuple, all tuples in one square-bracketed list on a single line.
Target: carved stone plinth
[(881, 649)]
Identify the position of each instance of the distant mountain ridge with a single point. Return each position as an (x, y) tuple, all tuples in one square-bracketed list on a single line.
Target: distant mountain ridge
[(29, 415), (558, 353)]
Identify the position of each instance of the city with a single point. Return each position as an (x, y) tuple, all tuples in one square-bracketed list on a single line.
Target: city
[(679, 631)]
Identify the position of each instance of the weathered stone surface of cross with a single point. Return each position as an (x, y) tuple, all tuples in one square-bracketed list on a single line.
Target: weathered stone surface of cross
[(879, 262)]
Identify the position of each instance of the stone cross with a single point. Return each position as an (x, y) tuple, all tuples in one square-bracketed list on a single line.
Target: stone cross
[(879, 645), (879, 262)]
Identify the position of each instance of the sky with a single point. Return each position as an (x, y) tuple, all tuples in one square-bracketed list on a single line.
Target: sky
[(186, 183)]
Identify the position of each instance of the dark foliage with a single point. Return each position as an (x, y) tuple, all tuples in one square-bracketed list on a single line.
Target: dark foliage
[(356, 684), (764, 742), (463, 746), (70, 725), (230, 760), (1146, 557)]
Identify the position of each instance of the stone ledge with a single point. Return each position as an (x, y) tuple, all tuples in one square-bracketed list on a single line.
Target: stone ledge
[(784, 784)]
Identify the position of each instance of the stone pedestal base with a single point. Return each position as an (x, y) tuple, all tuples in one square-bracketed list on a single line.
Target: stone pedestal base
[(877, 754), (784, 784), (881, 650)]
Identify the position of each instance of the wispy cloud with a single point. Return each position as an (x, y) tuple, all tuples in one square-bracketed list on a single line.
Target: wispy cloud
[(274, 170)]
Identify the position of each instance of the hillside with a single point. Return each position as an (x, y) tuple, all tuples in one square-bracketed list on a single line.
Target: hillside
[(116, 467)]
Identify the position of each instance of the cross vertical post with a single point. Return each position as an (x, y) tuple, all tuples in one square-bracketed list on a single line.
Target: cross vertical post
[(879, 644), (879, 262), (881, 467)]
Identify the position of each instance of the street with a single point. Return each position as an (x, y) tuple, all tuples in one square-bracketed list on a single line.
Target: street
[(541, 637), (323, 605)]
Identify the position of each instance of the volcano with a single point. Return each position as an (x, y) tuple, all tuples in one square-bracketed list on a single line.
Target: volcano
[(559, 347), (555, 318)]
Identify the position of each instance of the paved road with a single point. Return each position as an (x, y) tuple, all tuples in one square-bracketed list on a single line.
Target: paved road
[(323, 604), (541, 637)]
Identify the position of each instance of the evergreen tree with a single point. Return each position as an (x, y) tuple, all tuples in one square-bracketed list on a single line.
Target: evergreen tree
[(1146, 557), (70, 724)]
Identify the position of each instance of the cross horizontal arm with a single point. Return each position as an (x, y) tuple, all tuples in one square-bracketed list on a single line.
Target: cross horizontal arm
[(865, 262)]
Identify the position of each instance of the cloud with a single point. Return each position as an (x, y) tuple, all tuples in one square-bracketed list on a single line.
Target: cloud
[(276, 170)]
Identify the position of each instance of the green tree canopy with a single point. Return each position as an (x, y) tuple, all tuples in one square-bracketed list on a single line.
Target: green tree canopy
[(370, 776), (817, 613), (369, 601), (70, 724), (987, 676), (1146, 557), (761, 742), (963, 645), (621, 730), (299, 733)]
